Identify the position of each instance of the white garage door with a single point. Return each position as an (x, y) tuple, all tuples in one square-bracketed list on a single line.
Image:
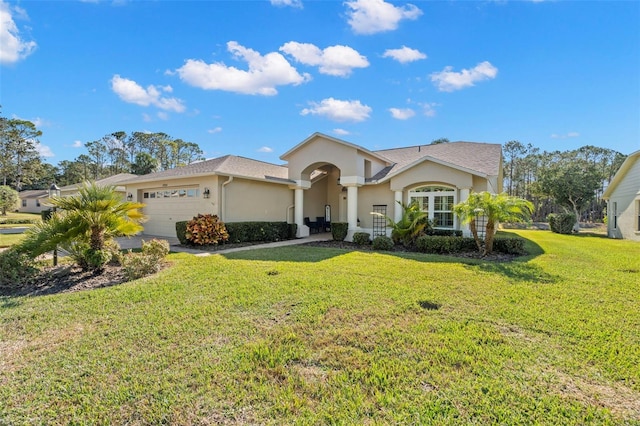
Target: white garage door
[(164, 207)]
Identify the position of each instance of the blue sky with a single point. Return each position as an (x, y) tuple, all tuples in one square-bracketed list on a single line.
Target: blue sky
[(254, 78)]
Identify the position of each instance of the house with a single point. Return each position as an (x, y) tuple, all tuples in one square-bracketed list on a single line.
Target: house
[(114, 181), (623, 200), (33, 201), (324, 178)]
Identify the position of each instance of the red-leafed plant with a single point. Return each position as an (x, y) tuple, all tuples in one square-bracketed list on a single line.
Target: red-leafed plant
[(206, 229)]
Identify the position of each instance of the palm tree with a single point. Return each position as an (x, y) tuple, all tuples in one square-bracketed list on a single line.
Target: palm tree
[(91, 220), (410, 226), (494, 208)]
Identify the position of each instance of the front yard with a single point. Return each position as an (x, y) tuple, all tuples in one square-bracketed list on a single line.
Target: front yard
[(314, 335)]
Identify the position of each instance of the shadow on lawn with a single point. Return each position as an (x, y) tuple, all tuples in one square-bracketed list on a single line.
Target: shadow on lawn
[(515, 268)]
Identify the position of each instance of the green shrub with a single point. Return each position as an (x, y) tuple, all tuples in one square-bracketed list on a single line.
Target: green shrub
[(509, 245), (339, 230), (45, 215), (148, 261), (561, 223), (293, 230), (16, 269), (97, 259), (206, 229), (382, 242), (17, 221), (444, 232), (361, 238), (242, 232), (181, 232), (436, 244)]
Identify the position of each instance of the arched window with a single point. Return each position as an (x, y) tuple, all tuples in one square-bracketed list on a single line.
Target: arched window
[(438, 201)]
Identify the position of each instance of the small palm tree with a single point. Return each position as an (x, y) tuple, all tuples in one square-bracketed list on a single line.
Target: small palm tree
[(494, 208), (91, 219), (410, 226)]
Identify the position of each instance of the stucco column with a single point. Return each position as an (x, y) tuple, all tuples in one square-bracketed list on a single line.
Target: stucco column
[(298, 209), (352, 207), (397, 207), (464, 196)]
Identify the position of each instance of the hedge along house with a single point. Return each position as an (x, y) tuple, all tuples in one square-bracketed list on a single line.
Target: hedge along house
[(623, 200), (325, 178)]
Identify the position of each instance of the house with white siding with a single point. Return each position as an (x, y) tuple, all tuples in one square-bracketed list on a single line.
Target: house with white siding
[(623, 200)]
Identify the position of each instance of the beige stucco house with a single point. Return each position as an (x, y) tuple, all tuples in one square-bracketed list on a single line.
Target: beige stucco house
[(32, 201), (35, 201), (623, 200), (324, 177)]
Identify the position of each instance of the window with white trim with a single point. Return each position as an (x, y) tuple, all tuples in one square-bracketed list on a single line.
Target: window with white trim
[(438, 202)]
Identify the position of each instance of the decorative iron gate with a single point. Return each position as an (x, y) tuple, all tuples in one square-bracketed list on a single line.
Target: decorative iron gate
[(379, 222)]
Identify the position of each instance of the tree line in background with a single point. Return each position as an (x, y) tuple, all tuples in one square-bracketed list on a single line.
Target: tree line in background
[(553, 181), (559, 181), (21, 166)]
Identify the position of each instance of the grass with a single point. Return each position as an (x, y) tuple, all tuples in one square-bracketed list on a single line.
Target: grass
[(314, 335)]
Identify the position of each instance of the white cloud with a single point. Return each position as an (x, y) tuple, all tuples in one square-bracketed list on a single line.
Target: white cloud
[(131, 92), (292, 3), (338, 110), (402, 113), (334, 60), (215, 130), (374, 16), (448, 80), (163, 115), (264, 73), (44, 150), (565, 136), (14, 48), (341, 132), (77, 144), (146, 117), (404, 54), (428, 109), (265, 149)]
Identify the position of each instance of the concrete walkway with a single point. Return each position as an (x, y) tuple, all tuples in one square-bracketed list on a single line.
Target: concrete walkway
[(136, 242)]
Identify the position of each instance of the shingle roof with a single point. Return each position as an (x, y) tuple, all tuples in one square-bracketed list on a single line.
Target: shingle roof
[(108, 181), (482, 158), (33, 193), (230, 165)]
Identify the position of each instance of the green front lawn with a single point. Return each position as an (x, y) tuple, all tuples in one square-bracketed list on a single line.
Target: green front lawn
[(315, 335)]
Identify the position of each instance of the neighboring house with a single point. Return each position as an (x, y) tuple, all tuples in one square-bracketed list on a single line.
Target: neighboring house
[(325, 178), (115, 181), (623, 200), (33, 201)]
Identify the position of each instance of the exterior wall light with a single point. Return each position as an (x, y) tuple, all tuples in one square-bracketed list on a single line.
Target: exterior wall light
[(206, 193), (129, 196)]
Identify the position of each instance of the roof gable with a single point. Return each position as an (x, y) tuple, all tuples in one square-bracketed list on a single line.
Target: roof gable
[(481, 159), (621, 173), (317, 135)]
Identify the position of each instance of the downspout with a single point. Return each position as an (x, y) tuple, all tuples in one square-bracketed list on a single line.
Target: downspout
[(223, 199)]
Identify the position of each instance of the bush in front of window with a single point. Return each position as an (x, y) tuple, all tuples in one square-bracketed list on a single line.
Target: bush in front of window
[(361, 238), (382, 242), (206, 229), (445, 244), (339, 230), (561, 223)]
